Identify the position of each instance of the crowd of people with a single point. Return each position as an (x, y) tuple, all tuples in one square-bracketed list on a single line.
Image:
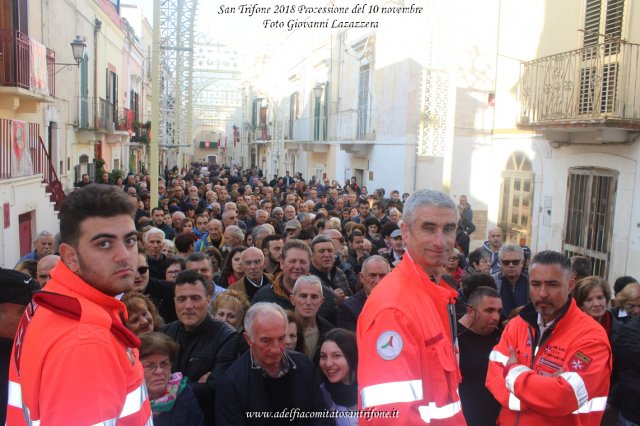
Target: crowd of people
[(236, 295)]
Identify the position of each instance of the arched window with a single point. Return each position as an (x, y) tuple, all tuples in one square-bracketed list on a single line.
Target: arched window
[(84, 158), (516, 199)]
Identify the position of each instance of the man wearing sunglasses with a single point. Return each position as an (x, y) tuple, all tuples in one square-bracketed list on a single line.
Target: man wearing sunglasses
[(513, 285)]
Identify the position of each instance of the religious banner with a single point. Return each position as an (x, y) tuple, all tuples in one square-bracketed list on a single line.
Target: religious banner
[(39, 75), (19, 136)]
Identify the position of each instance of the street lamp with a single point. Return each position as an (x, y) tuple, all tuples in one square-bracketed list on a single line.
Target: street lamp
[(77, 46), (317, 93), (317, 90)]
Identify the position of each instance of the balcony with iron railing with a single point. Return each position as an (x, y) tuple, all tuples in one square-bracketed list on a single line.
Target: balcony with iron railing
[(27, 69), (28, 156), (593, 87), (95, 114), (125, 120), (340, 126)]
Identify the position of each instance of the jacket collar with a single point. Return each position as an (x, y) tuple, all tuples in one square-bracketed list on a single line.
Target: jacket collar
[(530, 315), (64, 277)]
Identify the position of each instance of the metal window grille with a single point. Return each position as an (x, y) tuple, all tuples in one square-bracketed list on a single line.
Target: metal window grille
[(589, 216)]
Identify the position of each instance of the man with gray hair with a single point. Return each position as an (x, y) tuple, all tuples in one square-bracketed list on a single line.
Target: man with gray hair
[(374, 269), (252, 260), (43, 246), (153, 244), (268, 378), (294, 263), (323, 266), (306, 300), (259, 232), (233, 237), (410, 321), (229, 217), (512, 283), (176, 219)]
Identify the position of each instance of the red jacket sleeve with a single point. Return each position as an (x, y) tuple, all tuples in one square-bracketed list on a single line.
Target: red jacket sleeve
[(522, 388), (495, 373), (576, 388), (82, 382), (389, 368)]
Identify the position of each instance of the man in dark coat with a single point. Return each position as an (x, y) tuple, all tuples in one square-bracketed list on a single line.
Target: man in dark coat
[(374, 269), (268, 379), (207, 346)]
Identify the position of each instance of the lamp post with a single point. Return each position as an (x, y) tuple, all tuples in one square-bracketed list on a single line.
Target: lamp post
[(317, 93), (78, 47)]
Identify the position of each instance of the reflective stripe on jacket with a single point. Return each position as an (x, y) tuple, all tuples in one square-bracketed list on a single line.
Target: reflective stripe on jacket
[(561, 378), (407, 358), (74, 362)]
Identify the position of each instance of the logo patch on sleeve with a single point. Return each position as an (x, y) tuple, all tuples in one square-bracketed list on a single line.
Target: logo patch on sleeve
[(389, 345), (579, 362)]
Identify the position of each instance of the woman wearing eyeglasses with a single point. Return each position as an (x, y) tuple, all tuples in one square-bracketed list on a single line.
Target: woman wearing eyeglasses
[(172, 399), (452, 267), (592, 295), (627, 351), (628, 302)]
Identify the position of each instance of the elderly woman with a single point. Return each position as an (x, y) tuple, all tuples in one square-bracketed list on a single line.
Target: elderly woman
[(142, 315), (479, 261), (173, 402), (628, 302), (230, 307), (592, 295), (452, 267)]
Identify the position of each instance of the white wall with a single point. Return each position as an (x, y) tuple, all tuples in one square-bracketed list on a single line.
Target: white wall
[(24, 195)]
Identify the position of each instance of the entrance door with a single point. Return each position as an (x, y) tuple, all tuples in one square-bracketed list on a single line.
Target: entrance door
[(589, 223), (24, 233)]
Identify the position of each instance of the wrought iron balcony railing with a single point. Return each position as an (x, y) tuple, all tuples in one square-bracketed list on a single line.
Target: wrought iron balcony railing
[(345, 125), (125, 120), (95, 114), (25, 64), (593, 86), (23, 153)]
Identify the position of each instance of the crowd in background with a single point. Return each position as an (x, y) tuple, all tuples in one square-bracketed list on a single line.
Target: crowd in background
[(317, 249)]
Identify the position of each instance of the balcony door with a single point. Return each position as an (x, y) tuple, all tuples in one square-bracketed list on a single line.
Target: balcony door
[(601, 56)]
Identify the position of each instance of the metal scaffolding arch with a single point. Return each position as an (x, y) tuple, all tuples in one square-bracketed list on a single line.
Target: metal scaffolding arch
[(177, 19)]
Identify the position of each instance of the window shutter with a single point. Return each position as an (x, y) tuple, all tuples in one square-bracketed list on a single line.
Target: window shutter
[(22, 16), (613, 20), (592, 22)]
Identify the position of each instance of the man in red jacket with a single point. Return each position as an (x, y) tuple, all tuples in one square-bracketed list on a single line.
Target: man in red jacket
[(406, 333), (73, 361), (553, 362)]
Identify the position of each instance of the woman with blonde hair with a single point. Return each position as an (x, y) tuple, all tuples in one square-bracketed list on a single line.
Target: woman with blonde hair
[(230, 307), (628, 302), (142, 314)]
